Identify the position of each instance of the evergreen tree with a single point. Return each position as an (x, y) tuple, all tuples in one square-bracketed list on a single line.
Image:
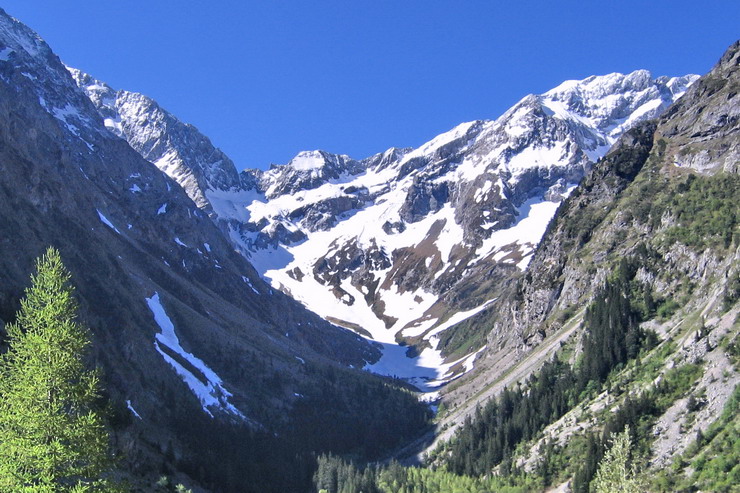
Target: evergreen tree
[(615, 473), (52, 434), (587, 469)]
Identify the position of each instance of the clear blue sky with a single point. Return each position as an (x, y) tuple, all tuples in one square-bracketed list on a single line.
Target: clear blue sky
[(266, 79)]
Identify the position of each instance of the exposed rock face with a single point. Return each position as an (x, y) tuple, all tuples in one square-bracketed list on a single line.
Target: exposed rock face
[(177, 148), (306, 171), (443, 208), (703, 130), (689, 140), (401, 245)]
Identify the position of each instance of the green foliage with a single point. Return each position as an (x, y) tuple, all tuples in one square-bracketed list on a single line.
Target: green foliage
[(613, 338), (165, 485), (587, 468), (367, 418), (613, 335), (704, 208), (732, 293), (676, 382), (717, 468), (706, 211), (616, 473), (581, 213), (335, 475), (467, 336), (349, 414), (515, 416), (52, 432), (714, 457), (638, 412), (667, 308), (231, 457)]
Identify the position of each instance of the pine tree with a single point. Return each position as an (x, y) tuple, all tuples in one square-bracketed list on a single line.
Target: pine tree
[(52, 434)]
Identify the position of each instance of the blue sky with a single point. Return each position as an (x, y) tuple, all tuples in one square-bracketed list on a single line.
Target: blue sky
[(267, 79)]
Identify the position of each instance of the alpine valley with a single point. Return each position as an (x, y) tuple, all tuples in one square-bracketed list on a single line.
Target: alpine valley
[(490, 309)]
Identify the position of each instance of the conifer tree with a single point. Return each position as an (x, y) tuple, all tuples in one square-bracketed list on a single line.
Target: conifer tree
[(615, 473), (52, 434)]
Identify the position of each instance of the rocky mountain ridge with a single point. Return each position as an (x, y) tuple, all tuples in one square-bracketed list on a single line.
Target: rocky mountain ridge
[(390, 245), (449, 247)]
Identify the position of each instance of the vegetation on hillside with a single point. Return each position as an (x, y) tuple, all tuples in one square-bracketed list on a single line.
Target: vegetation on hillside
[(518, 415), (713, 459)]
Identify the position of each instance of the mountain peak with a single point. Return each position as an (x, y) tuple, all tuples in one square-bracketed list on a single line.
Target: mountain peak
[(308, 160), (19, 37), (615, 102), (176, 148)]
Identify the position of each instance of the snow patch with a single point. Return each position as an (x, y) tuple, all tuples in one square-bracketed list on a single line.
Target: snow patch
[(534, 216), (64, 114), (428, 370), (307, 161), (115, 125), (230, 204), (207, 386), (105, 221), (131, 408)]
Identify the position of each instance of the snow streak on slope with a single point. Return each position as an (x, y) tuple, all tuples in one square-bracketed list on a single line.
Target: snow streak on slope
[(202, 381), (107, 222)]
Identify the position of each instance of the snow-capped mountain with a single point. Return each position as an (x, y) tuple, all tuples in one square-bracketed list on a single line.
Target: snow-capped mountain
[(404, 244), (398, 249)]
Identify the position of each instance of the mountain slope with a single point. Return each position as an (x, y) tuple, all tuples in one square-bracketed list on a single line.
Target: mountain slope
[(625, 323), (191, 341), (660, 211), (162, 139)]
